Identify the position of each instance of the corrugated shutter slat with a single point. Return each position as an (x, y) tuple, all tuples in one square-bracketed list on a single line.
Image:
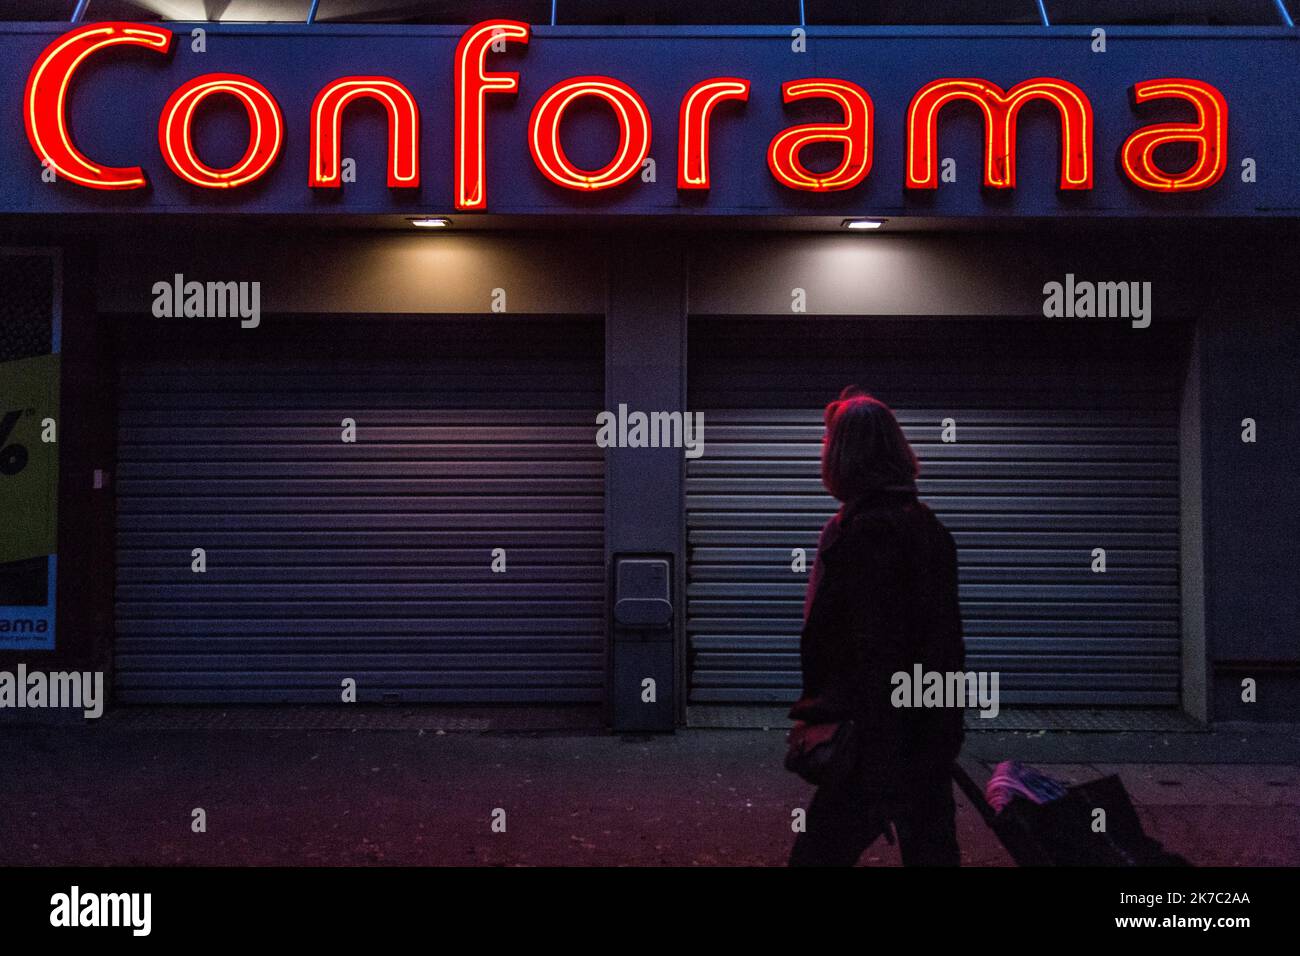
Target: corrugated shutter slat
[(1067, 441), (370, 560)]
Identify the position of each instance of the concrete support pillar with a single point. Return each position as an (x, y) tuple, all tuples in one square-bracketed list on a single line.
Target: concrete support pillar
[(645, 369)]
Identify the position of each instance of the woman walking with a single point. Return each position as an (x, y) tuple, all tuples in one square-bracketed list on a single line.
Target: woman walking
[(882, 599)]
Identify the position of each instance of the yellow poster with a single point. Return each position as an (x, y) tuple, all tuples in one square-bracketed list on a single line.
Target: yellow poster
[(29, 487), (29, 460)]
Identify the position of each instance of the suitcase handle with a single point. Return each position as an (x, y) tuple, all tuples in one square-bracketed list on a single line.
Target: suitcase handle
[(973, 793)]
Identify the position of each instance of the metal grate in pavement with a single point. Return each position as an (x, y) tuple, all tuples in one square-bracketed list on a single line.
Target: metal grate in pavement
[(526, 719), (357, 717), (1024, 719), (1110, 720), (741, 717)]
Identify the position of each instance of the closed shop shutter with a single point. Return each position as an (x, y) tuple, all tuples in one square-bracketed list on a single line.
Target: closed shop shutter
[(1066, 441), (370, 560)]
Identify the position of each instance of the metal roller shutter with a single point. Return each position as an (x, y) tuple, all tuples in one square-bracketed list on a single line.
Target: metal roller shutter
[(1067, 441), (371, 560)]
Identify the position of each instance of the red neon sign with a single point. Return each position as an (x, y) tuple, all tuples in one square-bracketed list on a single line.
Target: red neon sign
[(854, 134), (265, 130), (1209, 133), (327, 130), (1000, 111), (46, 109), (471, 84), (633, 133), (46, 98), (693, 127)]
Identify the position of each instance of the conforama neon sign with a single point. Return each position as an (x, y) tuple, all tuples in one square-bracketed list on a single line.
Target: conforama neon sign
[(475, 84)]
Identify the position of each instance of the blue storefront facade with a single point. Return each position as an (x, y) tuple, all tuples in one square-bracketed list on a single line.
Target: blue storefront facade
[(1080, 301)]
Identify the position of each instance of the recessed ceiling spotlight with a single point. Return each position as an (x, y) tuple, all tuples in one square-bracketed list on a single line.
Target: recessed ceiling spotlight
[(862, 223), (431, 222)]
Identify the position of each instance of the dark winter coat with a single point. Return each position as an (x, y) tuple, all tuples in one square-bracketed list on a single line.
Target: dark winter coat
[(882, 598)]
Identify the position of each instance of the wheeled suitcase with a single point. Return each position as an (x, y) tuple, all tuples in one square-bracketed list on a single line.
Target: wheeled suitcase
[(1069, 830)]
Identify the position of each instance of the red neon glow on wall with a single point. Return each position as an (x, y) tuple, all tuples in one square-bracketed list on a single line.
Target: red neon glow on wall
[(265, 130), (472, 82), (693, 127), (854, 134), (633, 133), (46, 98), (327, 130), (1000, 110), (1209, 133)]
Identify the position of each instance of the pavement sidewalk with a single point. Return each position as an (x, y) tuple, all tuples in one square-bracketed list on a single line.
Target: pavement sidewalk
[(117, 794)]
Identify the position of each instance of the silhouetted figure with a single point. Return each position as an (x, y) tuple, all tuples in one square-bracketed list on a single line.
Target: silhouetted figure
[(882, 598)]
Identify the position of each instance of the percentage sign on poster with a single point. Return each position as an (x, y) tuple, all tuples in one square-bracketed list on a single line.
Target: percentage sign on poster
[(13, 458)]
